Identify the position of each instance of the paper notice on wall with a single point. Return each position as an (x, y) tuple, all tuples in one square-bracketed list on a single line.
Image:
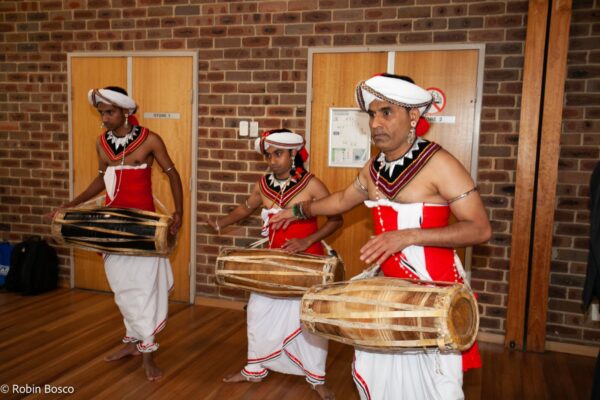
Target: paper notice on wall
[(349, 138)]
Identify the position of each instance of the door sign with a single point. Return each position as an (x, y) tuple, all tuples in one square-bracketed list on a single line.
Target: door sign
[(439, 100)]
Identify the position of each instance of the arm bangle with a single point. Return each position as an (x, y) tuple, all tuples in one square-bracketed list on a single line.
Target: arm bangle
[(169, 169), (462, 196), (306, 209), (359, 185)]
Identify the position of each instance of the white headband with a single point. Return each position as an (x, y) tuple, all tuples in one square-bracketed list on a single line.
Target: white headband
[(392, 90), (280, 139), (107, 96)]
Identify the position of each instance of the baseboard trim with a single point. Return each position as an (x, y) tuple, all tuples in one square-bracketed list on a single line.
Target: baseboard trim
[(487, 337), (570, 348)]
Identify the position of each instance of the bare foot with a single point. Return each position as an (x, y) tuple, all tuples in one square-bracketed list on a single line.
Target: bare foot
[(238, 377), (324, 392), (153, 373), (129, 349)]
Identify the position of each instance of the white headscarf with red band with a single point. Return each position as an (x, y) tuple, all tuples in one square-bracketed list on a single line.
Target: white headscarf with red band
[(281, 139), (107, 96), (393, 90)]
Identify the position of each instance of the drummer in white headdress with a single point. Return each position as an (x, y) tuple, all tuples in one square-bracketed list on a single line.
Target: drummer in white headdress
[(126, 152), (412, 187), (276, 340)]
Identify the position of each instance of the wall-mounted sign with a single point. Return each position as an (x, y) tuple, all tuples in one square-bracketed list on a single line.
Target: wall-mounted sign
[(441, 119), (154, 115), (349, 137), (439, 100)]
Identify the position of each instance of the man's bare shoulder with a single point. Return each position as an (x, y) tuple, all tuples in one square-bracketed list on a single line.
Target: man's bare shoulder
[(448, 174), (443, 158)]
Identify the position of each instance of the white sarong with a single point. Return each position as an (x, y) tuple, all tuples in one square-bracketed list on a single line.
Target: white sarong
[(278, 342), (141, 286), (411, 375)]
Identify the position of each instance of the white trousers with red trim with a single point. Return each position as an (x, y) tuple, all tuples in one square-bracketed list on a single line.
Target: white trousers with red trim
[(277, 342), (141, 286), (414, 374)]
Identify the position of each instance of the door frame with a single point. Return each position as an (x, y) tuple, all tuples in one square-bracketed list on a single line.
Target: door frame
[(193, 151), (391, 50)]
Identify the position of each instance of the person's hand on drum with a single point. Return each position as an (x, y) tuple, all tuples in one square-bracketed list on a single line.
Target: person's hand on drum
[(379, 248), (50, 216), (212, 223), (282, 219), (296, 245), (175, 224)]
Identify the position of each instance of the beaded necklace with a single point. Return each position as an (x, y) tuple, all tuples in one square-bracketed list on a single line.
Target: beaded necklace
[(381, 224), (282, 187), (121, 177)]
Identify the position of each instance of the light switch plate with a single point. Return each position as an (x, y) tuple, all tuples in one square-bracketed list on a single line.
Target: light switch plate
[(243, 128), (253, 129)]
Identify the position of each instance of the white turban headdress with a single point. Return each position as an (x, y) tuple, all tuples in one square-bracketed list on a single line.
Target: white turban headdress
[(280, 138), (112, 97), (392, 89)]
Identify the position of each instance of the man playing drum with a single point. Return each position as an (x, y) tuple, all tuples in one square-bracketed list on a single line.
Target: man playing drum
[(412, 186), (276, 340), (141, 285)]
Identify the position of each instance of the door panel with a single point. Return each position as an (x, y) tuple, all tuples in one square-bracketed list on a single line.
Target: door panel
[(164, 85), (158, 85), (455, 73), (88, 73), (334, 78)]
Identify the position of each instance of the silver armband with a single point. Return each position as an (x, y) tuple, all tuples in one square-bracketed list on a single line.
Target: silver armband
[(359, 185), (462, 196)]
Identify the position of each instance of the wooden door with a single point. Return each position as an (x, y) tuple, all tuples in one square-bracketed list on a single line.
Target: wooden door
[(454, 74), (163, 86), (88, 73), (334, 78), (158, 86)]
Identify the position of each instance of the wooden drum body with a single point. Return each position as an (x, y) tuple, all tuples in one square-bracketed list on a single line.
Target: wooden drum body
[(391, 314), (276, 272), (114, 230)]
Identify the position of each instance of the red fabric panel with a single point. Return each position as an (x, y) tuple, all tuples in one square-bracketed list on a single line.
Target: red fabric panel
[(134, 189), (297, 229)]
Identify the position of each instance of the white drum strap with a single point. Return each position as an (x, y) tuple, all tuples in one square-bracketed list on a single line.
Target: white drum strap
[(461, 270), (160, 205), (258, 243), (95, 200)]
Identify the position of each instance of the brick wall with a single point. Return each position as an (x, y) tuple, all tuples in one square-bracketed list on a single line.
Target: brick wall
[(579, 153), (253, 65)]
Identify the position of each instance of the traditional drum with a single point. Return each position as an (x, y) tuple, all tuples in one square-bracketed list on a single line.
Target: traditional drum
[(390, 314), (114, 230), (276, 272)]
